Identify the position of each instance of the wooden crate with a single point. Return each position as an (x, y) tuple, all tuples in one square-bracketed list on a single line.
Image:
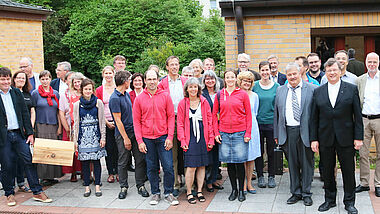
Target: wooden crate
[(54, 152)]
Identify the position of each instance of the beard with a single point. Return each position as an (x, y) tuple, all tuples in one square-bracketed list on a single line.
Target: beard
[(314, 72)]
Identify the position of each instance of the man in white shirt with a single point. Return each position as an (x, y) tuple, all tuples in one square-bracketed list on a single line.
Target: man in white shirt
[(173, 84), (276, 76), (336, 129), (342, 57), (291, 130), (59, 84), (369, 93)]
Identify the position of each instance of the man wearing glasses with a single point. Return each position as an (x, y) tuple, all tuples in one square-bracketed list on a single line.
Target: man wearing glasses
[(26, 65), (244, 61)]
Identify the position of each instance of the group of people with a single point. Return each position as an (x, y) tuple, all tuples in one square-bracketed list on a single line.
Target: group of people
[(190, 123)]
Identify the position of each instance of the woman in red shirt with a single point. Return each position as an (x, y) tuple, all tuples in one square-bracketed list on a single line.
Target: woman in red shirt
[(233, 131)]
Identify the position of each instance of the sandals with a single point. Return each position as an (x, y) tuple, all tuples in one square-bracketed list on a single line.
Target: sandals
[(200, 197), (24, 189), (111, 179), (192, 199)]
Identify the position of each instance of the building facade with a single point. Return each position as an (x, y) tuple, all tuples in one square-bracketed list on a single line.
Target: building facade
[(295, 28), (21, 34)]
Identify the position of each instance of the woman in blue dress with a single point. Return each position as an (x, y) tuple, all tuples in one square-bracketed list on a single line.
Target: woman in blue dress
[(194, 128), (246, 82), (90, 134)]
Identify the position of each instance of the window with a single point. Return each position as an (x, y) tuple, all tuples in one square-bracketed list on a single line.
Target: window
[(213, 4)]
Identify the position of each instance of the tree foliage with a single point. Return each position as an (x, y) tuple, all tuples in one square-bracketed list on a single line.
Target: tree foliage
[(89, 32)]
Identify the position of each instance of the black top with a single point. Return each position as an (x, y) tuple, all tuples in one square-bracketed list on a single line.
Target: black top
[(28, 100)]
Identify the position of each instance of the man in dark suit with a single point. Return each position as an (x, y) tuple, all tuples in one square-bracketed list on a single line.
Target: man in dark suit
[(59, 84), (337, 129), (291, 130), (276, 75), (354, 66), (16, 133)]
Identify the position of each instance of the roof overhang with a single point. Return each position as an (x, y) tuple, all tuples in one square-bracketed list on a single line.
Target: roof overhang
[(297, 7), (16, 12)]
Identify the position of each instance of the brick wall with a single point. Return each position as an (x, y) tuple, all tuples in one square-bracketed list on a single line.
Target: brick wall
[(285, 36), (20, 38)]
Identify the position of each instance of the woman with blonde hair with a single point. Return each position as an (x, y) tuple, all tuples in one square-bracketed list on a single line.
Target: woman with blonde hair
[(104, 92), (245, 81)]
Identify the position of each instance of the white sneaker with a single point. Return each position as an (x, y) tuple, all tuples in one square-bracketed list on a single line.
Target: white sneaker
[(171, 200), (155, 199)]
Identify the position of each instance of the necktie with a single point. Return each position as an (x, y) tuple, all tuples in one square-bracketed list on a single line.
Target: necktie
[(295, 105)]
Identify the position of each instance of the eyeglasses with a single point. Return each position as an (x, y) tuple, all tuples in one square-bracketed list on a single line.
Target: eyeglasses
[(247, 81), (245, 62), (25, 66)]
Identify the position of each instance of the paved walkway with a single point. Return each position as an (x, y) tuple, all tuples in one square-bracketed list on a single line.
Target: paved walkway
[(68, 198)]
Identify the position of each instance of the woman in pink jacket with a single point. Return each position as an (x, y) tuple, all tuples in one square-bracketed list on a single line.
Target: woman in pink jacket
[(233, 131), (194, 128)]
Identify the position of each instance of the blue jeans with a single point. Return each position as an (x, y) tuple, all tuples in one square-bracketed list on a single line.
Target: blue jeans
[(156, 151), (15, 147)]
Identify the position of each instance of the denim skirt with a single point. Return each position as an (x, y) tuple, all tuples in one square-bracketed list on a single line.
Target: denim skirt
[(233, 149)]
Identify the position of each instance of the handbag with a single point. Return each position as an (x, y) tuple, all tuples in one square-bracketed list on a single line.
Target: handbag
[(278, 161)]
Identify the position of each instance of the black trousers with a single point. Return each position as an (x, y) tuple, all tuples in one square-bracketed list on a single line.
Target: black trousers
[(266, 132), (347, 165)]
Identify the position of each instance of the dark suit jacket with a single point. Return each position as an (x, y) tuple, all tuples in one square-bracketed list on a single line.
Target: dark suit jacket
[(343, 122), (356, 67), (55, 84), (22, 113), (256, 74), (279, 124), (281, 78)]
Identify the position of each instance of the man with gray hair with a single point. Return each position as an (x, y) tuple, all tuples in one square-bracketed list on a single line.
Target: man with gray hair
[(369, 93), (244, 61), (187, 72), (59, 84), (26, 65), (276, 76), (292, 113)]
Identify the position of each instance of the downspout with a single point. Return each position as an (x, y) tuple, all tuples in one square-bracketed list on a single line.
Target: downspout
[(240, 29)]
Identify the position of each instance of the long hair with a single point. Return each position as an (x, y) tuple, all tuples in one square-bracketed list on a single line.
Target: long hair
[(27, 87)]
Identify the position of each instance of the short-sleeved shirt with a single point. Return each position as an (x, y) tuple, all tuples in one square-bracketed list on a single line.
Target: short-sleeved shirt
[(45, 114), (121, 103)]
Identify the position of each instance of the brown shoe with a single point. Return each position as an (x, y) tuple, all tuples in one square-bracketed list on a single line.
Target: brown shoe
[(11, 200), (42, 197)]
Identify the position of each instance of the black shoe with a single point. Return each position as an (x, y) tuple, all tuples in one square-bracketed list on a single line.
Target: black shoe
[(209, 189), (217, 186), (142, 191), (351, 209), (326, 206), (98, 194), (87, 194), (294, 199), (131, 168), (234, 195), (123, 192), (377, 191), (307, 201), (241, 196), (361, 188), (219, 177)]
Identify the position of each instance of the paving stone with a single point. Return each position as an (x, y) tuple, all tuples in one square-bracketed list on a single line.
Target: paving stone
[(255, 207)]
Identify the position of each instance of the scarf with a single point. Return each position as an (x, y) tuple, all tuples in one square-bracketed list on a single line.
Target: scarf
[(48, 95), (196, 117), (88, 104)]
